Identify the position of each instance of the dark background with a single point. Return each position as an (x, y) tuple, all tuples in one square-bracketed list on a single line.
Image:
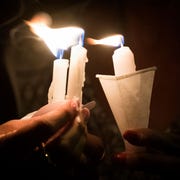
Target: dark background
[(151, 29)]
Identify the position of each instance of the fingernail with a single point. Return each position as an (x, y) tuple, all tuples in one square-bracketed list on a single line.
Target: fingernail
[(75, 103), (85, 113)]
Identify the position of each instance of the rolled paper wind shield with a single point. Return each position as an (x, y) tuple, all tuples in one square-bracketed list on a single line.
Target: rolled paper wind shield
[(129, 97)]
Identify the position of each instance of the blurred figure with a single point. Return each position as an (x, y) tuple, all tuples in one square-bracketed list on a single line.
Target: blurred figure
[(26, 62)]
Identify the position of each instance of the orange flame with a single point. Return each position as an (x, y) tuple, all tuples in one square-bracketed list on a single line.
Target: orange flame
[(114, 40), (55, 38)]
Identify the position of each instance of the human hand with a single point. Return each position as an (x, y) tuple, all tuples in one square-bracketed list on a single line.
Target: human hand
[(76, 143), (161, 153), (69, 144), (19, 138)]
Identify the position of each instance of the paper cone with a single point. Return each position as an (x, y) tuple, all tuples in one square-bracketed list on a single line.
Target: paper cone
[(129, 97)]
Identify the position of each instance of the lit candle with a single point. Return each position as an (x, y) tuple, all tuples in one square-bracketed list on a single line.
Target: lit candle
[(57, 90), (123, 57), (61, 39), (76, 77), (123, 61)]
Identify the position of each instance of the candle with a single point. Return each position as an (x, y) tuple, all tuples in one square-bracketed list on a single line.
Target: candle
[(57, 89), (58, 40), (123, 61), (76, 77), (123, 57), (128, 92)]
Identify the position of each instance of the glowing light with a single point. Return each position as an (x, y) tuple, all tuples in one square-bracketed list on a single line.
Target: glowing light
[(57, 39), (114, 40)]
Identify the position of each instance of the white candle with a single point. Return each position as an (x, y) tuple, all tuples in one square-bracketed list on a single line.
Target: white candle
[(57, 89), (123, 61), (123, 57), (76, 78), (58, 40)]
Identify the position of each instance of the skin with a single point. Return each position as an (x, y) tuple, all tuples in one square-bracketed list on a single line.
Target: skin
[(20, 138), (160, 155)]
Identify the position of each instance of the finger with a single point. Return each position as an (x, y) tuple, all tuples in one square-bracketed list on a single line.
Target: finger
[(85, 113), (67, 142), (73, 135), (78, 128), (67, 136), (79, 147), (52, 106), (147, 161), (73, 131), (154, 139), (55, 115), (94, 148), (27, 134), (54, 112)]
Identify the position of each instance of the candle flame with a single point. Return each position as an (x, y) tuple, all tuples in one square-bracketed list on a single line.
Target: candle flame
[(57, 39), (114, 40)]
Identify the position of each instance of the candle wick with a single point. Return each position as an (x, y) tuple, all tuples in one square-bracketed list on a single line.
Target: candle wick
[(60, 53), (122, 41), (81, 39)]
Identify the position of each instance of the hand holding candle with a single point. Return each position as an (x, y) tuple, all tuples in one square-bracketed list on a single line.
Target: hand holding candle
[(58, 40)]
